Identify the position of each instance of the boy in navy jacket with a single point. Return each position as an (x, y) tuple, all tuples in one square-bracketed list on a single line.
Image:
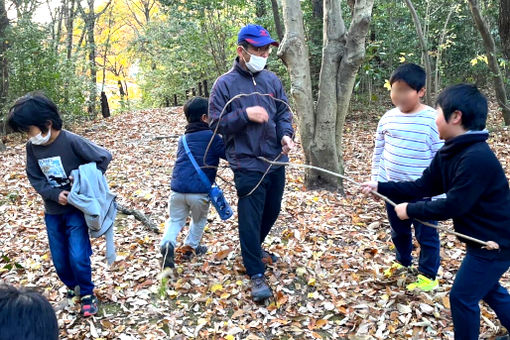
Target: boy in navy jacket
[(189, 195), (477, 199)]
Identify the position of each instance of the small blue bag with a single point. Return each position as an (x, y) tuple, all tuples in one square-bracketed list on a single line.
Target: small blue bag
[(216, 196)]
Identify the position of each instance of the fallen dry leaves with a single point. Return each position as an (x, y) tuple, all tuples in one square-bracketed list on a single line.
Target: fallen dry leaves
[(327, 284)]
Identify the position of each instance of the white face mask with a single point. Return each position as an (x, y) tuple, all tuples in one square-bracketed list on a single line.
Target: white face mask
[(40, 139), (256, 63)]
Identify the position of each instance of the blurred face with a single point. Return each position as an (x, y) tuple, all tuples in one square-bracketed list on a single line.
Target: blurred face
[(450, 128), (442, 124), (405, 97)]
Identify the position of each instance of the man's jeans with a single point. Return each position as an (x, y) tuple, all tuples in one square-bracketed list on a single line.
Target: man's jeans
[(70, 249)]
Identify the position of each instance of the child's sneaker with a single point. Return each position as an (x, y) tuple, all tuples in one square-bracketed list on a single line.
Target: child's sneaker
[(88, 305), (396, 269), (423, 283), (72, 297), (190, 252), (167, 250)]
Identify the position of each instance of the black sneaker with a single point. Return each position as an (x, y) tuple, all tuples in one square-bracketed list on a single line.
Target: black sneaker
[(190, 252), (269, 258), (167, 250), (259, 288), (88, 305)]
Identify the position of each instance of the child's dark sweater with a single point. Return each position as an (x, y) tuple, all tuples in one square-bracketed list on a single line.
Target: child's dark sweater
[(49, 166), (477, 192)]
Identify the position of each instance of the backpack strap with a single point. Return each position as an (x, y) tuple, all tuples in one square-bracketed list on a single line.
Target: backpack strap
[(201, 174)]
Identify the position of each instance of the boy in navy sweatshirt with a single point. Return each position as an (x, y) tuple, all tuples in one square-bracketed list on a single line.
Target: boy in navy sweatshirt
[(189, 196), (477, 199), (52, 153)]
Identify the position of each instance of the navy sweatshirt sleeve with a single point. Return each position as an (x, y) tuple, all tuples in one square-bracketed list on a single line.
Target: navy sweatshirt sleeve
[(91, 152), (231, 122)]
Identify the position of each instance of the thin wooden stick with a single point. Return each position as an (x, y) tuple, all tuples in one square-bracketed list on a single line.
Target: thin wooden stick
[(490, 245)]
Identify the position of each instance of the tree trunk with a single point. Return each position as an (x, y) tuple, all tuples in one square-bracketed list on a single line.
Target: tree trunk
[(504, 27), (260, 8), (60, 18), (293, 51), (424, 49), (90, 19), (323, 149), (121, 90), (504, 32), (490, 49), (4, 71), (69, 28), (277, 20), (437, 76), (105, 108), (349, 65), (322, 129), (318, 9)]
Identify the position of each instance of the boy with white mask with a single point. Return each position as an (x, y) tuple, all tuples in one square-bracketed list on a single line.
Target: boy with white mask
[(52, 153), (254, 126)]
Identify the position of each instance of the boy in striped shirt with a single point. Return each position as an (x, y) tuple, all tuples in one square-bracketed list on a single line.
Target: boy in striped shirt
[(405, 143)]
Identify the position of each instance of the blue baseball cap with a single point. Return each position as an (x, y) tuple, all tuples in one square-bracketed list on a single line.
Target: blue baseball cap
[(255, 35)]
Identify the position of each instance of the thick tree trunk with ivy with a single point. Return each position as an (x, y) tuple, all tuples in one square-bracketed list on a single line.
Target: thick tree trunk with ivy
[(424, 50), (490, 49), (321, 127)]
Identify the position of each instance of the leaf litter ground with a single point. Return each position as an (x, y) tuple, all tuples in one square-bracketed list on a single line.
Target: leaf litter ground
[(328, 283)]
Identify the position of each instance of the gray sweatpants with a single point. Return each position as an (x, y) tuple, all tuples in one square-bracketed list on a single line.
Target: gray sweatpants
[(180, 206)]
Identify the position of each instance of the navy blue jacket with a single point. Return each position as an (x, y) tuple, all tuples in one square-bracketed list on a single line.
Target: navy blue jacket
[(184, 176), (246, 140), (477, 192)]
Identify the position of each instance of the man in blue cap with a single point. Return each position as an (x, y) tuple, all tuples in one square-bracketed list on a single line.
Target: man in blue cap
[(253, 126)]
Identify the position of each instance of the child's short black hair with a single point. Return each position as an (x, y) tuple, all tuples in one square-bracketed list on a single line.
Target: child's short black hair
[(467, 99), (35, 109), (26, 314), (195, 108), (412, 74)]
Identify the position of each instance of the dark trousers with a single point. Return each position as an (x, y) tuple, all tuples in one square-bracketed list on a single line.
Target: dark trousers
[(427, 237), (69, 241), (478, 279), (257, 213)]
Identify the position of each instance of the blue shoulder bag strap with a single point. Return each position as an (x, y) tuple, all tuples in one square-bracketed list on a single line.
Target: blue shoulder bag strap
[(201, 174)]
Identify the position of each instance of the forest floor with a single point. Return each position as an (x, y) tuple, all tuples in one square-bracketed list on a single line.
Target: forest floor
[(328, 283)]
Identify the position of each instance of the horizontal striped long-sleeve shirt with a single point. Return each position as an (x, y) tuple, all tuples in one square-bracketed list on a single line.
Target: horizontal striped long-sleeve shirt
[(405, 144)]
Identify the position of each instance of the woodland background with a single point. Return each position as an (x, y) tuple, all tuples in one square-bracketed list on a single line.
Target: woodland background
[(145, 57)]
